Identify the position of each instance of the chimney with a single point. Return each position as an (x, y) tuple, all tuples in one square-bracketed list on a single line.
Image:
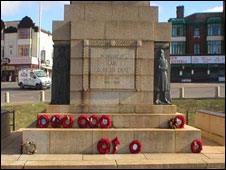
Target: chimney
[(180, 11)]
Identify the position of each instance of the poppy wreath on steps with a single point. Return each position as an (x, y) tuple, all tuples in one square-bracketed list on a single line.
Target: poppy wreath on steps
[(115, 142), (83, 121), (67, 121), (135, 147), (93, 121), (43, 121), (177, 122), (196, 146), (55, 121), (104, 146), (105, 121)]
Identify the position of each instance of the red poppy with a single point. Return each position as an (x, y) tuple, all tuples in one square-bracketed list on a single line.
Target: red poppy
[(196, 146), (104, 146), (93, 121), (83, 121), (67, 121), (135, 147), (43, 121), (105, 121), (55, 121)]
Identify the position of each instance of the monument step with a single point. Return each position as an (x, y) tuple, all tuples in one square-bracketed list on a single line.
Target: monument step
[(84, 141), (128, 120), (119, 108)]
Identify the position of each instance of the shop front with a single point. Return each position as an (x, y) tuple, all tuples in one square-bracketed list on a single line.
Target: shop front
[(197, 69)]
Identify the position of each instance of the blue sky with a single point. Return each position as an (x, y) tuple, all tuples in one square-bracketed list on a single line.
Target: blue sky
[(54, 10)]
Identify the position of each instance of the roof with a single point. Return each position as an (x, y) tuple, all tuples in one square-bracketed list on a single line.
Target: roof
[(26, 22), (207, 17)]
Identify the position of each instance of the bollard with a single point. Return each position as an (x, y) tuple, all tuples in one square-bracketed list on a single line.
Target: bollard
[(42, 96), (182, 93), (7, 97), (218, 92)]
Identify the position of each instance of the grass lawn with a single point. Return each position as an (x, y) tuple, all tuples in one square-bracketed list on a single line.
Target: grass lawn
[(190, 106), (26, 114)]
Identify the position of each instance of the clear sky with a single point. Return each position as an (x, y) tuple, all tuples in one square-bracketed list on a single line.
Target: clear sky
[(54, 10)]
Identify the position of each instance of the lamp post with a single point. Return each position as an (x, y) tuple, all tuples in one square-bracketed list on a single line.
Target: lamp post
[(39, 49)]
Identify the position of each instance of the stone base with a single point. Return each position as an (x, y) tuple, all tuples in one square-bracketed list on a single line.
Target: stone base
[(84, 141), (131, 120), (108, 109)]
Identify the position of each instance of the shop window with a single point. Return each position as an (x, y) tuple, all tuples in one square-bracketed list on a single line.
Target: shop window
[(214, 47), (24, 50), (177, 48), (196, 49), (24, 33), (178, 30)]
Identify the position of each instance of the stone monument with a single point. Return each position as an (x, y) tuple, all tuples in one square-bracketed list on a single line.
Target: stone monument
[(105, 55)]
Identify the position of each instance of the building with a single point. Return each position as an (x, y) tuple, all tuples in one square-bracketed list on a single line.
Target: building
[(20, 46), (197, 52)]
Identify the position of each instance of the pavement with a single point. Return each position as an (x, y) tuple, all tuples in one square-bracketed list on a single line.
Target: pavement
[(212, 157), (192, 90)]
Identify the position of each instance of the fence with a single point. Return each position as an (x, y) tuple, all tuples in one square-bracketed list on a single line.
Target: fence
[(176, 93)]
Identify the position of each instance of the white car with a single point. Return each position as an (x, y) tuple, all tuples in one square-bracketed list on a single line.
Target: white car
[(33, 78)]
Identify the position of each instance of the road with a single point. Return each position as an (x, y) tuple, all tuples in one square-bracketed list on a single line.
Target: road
[(192, 90), (18, 95)]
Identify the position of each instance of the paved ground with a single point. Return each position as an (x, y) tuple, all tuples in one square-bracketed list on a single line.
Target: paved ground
[(212, 156), (191, 91)]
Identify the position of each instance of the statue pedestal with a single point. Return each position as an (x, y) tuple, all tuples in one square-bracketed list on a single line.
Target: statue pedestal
[(151, 129)]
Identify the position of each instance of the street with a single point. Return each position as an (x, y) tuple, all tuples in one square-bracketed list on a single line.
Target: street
[(192, 90)]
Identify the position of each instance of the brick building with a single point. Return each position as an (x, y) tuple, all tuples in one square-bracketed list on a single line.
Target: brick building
[(197, 52)]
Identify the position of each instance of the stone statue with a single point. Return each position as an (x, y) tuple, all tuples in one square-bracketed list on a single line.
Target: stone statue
[(163, 85)]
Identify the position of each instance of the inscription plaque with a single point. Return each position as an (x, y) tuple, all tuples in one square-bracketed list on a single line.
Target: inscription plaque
[(112, 68)]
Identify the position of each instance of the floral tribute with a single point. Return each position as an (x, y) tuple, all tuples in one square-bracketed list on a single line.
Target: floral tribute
[(43, 121), (55, 121), (93, 121), (177, 122), (83, 121), (67, 121), (196, 146), (105, 121), (135, 147)]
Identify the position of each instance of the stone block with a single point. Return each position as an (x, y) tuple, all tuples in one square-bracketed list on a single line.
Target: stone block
[(76, 49), (7, 164), (139, 30), (76, 66), (156, 140), (40, 137), (113, 157), (184, 138), (75, 99), (145, 13), (74, 12), (70, 165), (101, 97), (129, 98), (145, 67), (143, 121), (51, 157), (75, 82), (57, 108), (128, 13), (217, 125), (98, 12), (202, 121), (70, 141), (146, 83), (146, 51), (82, 29), (163, 32), (61, 30)]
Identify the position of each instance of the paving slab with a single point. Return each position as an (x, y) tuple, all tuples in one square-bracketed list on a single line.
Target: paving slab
[(7, 164), (51, 157), (113, 157), (70, 165)]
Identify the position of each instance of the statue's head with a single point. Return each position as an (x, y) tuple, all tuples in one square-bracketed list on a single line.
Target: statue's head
[(162, 54)]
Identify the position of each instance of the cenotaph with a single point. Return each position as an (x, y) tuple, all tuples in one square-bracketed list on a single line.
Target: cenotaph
[(105, 63)]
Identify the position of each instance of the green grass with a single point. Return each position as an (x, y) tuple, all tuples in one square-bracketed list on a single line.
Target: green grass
[(190, 106), (26, 114)]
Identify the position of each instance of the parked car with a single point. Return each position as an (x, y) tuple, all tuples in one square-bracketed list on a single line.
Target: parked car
[(33, 78)]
